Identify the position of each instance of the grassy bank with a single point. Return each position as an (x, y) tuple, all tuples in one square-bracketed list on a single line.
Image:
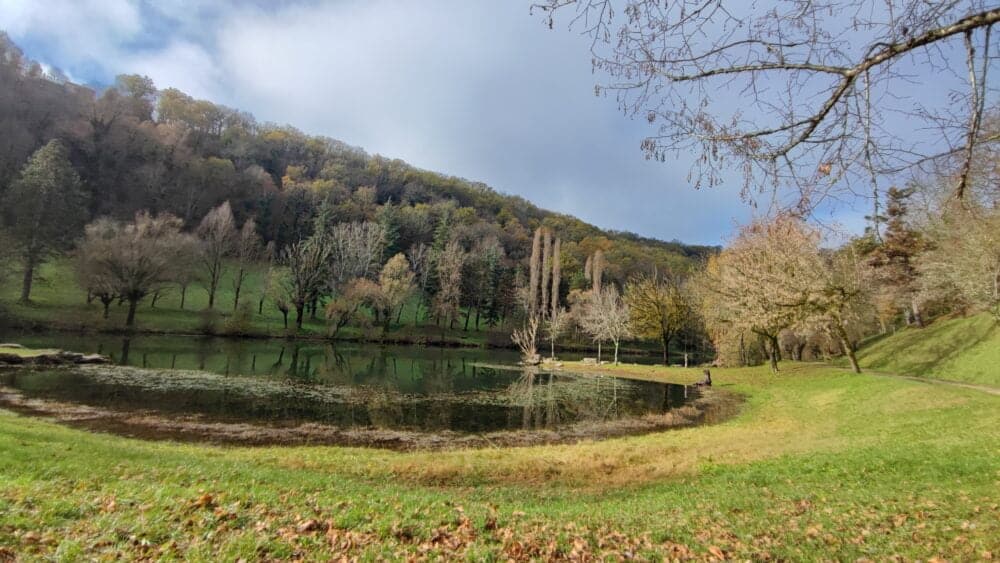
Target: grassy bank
[(59, 304), (820, 464), (956, 349)]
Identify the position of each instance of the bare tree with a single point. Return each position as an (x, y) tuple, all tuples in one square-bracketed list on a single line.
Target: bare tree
[(827, 94), (526, 339), (133, 259), (556, 325), (217, 233), (246, 250), (306, 261), (449, 267), (605, 316), (355, 251)]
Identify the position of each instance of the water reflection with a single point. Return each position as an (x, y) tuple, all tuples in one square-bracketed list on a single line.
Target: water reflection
[(287, 383)]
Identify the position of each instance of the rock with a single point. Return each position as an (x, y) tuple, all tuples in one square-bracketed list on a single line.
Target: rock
[(589, 361)]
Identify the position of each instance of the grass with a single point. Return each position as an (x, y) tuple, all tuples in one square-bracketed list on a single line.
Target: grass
[(58, 302), (821, 464), (24, 352), (958, 349)]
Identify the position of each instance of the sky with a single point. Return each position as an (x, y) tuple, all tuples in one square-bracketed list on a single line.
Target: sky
[(480, 89)]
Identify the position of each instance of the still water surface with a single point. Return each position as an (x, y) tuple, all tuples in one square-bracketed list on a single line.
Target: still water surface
[(282, 383)]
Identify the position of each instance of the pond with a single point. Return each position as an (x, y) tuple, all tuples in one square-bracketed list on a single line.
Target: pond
[(276, 391)]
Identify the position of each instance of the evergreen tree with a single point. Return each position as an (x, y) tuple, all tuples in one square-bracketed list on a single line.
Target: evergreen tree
[(894, 261), (46, 209)]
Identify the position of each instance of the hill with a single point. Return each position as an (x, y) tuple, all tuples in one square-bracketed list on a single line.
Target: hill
[(137, 147), (956, 349)]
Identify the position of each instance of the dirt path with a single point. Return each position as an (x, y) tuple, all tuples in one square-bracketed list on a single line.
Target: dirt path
[(975, 387)]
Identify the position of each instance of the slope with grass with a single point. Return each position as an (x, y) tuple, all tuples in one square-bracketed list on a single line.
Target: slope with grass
[(821, 464), (963, 349)]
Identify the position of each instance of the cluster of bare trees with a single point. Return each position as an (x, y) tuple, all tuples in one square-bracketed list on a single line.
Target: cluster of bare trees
[(826, 103)]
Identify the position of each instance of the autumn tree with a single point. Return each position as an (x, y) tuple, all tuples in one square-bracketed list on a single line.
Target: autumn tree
[(964, 260), (218, 235), (775, 275), (133, 259), (246, 250), (306, 262), (660, 309), (44, 209), (820, 83), (396, 285)]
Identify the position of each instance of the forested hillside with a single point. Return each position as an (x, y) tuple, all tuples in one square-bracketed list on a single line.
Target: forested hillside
[(136, 148)]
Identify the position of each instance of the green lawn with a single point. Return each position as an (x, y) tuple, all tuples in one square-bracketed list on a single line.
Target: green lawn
[(959, 349), (59, 302), (821, 464)]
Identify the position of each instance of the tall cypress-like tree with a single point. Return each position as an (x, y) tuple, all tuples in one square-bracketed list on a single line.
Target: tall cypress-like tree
[(45, 209)]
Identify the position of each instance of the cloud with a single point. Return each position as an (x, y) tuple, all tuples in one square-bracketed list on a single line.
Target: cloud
[(477, 89)]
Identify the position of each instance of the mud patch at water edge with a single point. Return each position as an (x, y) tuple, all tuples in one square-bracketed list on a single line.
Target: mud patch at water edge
[(710, 407)]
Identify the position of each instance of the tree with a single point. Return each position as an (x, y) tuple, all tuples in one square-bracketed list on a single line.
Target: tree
[(894, 260), (355, 250), (396, 285), (449, 268), (819, 82), (306, 262), (534, 268), (964, 260), (748, 282), (45, 209), (605, 316), (660, 309), (218, 235), (246, 250), (774, 276), (133, 259), (557, 323), (422, 263), (344, 307)]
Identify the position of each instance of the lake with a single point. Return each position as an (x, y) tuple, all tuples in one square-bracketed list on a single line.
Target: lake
[(348, 387)]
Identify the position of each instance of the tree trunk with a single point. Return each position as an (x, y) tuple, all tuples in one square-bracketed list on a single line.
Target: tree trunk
[(616, 352), (773, 352), (260, 306), (184, 290), (156, 295), (284, 315), (847, 346), (130, 319), (299, 313), (106, 301), (236, 295), (29, 277), (666, 349), (598, 352), (917, 318)]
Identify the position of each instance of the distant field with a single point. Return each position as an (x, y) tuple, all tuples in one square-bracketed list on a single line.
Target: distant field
[(960, 349)]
